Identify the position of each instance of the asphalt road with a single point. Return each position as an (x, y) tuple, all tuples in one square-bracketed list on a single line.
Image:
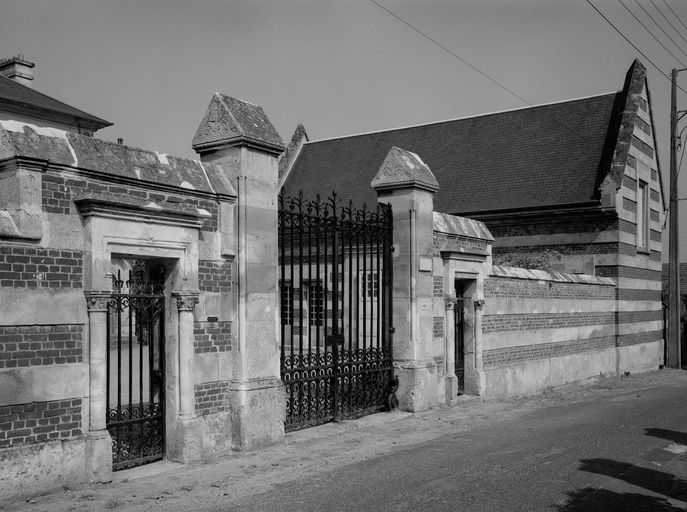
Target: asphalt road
[(616, 445), (606, 455)]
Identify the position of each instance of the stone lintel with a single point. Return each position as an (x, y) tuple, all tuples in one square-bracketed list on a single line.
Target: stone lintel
[(124, 207), (403, 169), (232, 122)]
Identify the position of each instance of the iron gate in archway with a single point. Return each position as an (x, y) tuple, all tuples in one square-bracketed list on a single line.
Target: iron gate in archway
[(335, 287), (135, 367)]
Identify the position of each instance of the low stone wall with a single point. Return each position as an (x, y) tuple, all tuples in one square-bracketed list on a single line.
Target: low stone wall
[(542, 330)]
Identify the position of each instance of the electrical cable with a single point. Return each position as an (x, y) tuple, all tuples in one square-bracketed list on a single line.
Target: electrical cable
[(492, 80), (669, 23), (675, 14), (631, 44), (659, 26), (652, 35)]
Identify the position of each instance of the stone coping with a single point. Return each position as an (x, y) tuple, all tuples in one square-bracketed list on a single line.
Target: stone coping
[(460, 226), (63, 148), (541, 275)]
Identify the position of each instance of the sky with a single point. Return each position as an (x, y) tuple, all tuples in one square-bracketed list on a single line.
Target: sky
[(338, 66)]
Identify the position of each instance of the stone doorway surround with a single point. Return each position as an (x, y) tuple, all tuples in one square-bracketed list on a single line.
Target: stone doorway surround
[(167, 236)]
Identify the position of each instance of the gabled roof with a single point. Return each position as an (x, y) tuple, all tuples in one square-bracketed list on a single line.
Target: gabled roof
[(22, 99), (520, 159), (559, 155)]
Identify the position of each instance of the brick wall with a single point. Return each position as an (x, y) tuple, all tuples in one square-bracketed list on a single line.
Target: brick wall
[(212, 337), (211, 397), (28, 267), (438, 286), (515, 355), (214, 276), (533, 321), (40, 421), (38, 345), (496, 287), (59, 191), (438, 326)]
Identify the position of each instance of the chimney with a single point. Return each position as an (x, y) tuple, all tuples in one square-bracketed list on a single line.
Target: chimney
[(18, 69)]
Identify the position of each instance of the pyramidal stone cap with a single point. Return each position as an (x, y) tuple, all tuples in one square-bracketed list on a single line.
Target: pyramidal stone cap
[(230, 122), (403, 169)]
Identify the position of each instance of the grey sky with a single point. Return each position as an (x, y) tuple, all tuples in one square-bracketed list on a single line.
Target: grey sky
[(340, 67)]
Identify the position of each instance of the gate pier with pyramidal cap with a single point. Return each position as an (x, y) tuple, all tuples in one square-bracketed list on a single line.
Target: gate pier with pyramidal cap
[(238, 137), (408, 185)]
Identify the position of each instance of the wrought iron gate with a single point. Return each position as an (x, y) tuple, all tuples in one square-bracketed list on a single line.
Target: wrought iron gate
[(135, 369), (459, 311), (335, 289)]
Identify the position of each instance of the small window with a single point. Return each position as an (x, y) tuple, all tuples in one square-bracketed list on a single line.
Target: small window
[(642, 215), (286, 295), (316, 303)]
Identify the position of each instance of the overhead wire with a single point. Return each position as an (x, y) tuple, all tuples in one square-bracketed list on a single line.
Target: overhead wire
[(669, 23), (652, 34), (659, 26), (492, 80), (675, 14), (633, 45)]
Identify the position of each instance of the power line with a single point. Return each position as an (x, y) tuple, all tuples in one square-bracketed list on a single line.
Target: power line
[(631, 44), (675, 14), (652, 34), (492, 80), (669, 23), (659, 26)]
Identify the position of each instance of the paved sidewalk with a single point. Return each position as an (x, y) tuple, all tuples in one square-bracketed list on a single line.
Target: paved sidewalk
[(310, 453)]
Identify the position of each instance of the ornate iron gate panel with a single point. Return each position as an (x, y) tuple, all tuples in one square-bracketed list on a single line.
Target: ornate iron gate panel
[(460, 343), (335, 289), (135, 370)]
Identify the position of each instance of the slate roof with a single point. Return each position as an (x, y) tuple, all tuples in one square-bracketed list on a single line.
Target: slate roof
[(25, 97), (541, 156)]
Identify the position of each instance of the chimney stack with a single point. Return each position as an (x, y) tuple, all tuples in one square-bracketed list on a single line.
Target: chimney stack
[(18, 69)]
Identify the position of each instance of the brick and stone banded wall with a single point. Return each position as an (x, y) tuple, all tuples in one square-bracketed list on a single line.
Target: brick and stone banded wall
[(625, 317), (499, 230), (438, 327), (438, 286), (563, 249), (59, 191), (516, 355), (38, 345), (616, 271), (214, 276), (28, 267), (535, 321), (638, 294), (625, 340), (526, 289), (38, 422), (211, 337), (211, 397)]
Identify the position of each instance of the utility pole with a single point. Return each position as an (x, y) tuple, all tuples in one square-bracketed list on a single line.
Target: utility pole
[(673, 356)]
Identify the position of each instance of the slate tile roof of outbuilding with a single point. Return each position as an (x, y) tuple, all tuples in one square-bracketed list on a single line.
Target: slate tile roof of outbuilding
[(546, 155), (20, 94)]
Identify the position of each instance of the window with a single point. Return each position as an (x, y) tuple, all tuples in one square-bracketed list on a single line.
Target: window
[(316, 303), (642, 215), (286, 295), (370, 280)]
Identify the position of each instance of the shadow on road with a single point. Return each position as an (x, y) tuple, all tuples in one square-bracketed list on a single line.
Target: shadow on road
[(650, 479), (670, 435), (590, 499)]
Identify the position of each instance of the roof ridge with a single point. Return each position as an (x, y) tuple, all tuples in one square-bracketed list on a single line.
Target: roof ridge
[(370, 132)]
